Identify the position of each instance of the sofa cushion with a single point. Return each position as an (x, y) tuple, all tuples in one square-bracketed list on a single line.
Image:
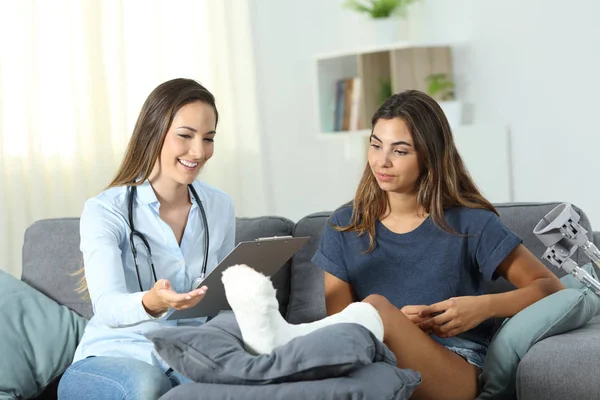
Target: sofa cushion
[(51, 257), (252, 228), (307, 298), (378, 381), (560, 312), (39, 338), (214, 353)]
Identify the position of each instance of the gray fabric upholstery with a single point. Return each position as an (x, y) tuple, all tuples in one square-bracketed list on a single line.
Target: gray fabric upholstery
[(51, 257), (377, 381), (561, 312), (307, 300), (562, 367), (253, 228)]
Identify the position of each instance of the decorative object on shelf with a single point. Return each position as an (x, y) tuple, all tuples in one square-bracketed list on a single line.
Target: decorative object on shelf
[(380, 8), (441, 87), (347, 104), (385, 89), (385, 17)]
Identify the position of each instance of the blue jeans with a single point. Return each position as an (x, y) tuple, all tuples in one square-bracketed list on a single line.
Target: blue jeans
[(116, 378)]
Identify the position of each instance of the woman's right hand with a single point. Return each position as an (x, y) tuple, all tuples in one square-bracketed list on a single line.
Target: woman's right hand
[(162, 297)]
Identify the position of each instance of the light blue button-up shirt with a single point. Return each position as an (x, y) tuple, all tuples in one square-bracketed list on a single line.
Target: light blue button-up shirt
[(120, 321)]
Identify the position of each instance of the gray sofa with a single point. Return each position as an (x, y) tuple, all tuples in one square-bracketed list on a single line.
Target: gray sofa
[(560, 367)]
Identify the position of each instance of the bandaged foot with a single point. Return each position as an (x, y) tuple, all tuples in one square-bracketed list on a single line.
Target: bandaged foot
[(251, 296)]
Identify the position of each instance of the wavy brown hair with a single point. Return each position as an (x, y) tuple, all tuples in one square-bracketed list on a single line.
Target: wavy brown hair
[(149, 133), (445, 181)]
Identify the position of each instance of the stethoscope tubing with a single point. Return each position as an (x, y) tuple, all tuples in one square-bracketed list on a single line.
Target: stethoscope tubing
[(134, 233)]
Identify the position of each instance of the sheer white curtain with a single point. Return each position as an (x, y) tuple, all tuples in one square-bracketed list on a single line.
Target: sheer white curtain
[(73, 76)]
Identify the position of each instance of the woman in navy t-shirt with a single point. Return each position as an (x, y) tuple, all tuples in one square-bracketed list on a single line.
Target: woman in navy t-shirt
[(418, 242)]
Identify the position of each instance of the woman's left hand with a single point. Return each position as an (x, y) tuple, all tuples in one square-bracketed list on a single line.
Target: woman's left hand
[(454, 316)]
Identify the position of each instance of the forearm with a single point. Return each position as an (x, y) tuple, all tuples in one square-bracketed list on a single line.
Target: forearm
[(118, 310), (503, 305)]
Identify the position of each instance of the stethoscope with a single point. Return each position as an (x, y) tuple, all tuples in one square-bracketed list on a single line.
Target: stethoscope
[(132, 192)]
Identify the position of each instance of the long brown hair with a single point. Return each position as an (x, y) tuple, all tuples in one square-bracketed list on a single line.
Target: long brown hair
[(444, 182), (149, 133)]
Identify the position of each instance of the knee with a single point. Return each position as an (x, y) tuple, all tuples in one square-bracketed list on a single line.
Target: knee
[(150, 386), (381, 303), (113, 378)]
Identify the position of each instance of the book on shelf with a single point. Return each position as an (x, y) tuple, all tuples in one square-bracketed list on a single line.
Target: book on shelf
[(348, 98)]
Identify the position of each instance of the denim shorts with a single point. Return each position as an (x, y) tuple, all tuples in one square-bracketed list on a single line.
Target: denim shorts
[(473, 353)]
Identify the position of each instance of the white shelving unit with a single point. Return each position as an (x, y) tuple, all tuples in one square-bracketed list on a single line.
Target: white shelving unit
[(400, 65)]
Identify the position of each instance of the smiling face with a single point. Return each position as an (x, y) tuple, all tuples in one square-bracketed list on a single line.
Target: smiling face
[(392, 157), (188, 144)]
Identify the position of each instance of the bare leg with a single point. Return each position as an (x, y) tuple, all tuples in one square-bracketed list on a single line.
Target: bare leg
[(445, 375)]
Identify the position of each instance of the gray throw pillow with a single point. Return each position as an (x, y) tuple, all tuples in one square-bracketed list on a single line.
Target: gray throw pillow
[(560, 312), (39, 338), (214, 353)]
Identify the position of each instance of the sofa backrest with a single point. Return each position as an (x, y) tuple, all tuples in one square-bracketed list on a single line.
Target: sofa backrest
[(307, 301), (51, 258), (253, 228)]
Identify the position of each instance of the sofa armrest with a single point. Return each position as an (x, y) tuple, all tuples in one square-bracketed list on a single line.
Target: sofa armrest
[(596, 238), (562, 367)]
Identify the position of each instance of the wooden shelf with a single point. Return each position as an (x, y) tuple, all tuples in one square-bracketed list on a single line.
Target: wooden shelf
[(377, 49), (362, 134), (396, 67)]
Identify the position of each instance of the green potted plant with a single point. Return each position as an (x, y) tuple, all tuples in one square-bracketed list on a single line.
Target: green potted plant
[(440, 86), (384, 16), (378, 9)]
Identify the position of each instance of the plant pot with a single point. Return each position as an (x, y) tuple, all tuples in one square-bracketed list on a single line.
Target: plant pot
[(453, 110), (388, 30)]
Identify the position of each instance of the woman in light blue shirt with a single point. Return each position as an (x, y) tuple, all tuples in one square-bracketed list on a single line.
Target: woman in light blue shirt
[(172, 140)]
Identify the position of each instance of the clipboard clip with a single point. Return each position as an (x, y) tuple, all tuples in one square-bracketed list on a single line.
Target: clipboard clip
[(272, 238)]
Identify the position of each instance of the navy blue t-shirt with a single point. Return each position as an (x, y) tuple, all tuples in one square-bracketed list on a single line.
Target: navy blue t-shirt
[(424, 266)]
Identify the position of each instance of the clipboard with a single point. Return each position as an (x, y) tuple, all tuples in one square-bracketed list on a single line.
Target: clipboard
[(266, 255)]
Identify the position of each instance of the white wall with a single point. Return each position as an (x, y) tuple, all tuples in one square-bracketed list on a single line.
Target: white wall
[(529, 65), (307, 175), (534, 65)]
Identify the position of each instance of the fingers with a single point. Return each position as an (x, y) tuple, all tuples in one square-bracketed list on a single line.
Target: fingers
[(412, 309), (441, 319), (451, 333), (191, 302), (436, 308), (414, 318), (181, 301), (162, 284), (412, 313), (196, 293)]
